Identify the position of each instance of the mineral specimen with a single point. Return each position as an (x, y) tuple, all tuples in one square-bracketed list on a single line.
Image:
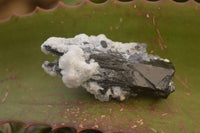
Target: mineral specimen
[(109, 69)]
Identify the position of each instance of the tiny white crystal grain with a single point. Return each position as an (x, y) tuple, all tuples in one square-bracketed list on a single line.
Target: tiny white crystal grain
[(166, 60)]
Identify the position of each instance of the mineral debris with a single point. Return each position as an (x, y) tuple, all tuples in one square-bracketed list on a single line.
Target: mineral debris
[(108, 69)]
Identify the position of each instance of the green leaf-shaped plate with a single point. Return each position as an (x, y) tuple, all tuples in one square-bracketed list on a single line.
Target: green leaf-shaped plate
[(29, 95)]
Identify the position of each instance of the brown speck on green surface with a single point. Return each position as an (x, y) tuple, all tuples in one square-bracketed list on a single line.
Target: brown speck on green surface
[(153, 130), (160, 38), (134, 6), (181, 126), (187, 93), (95, 126), (151, 51), (6, 95), (50, 106), (111, 28), (103, 116), (164, 114), (134, 126), (81, 125), (147, 15)]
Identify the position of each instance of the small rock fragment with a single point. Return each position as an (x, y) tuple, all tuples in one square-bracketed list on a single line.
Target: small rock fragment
[(103, 116), (81, 125), (134, 126), (95, 126)]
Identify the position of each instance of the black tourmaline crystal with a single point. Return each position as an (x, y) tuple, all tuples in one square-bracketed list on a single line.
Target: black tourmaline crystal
[(153, 78)]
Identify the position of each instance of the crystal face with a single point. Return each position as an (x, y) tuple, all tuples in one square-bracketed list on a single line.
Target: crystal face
[(109, 69)]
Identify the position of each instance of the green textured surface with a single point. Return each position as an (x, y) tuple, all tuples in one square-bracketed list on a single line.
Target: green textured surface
[(170, 30), (72, 2)]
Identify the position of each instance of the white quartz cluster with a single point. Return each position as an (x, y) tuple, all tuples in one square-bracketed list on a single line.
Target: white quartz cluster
[(75, 66), (75, 69)]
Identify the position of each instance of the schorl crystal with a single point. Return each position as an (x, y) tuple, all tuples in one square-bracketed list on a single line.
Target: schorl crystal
[(109, 69)]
